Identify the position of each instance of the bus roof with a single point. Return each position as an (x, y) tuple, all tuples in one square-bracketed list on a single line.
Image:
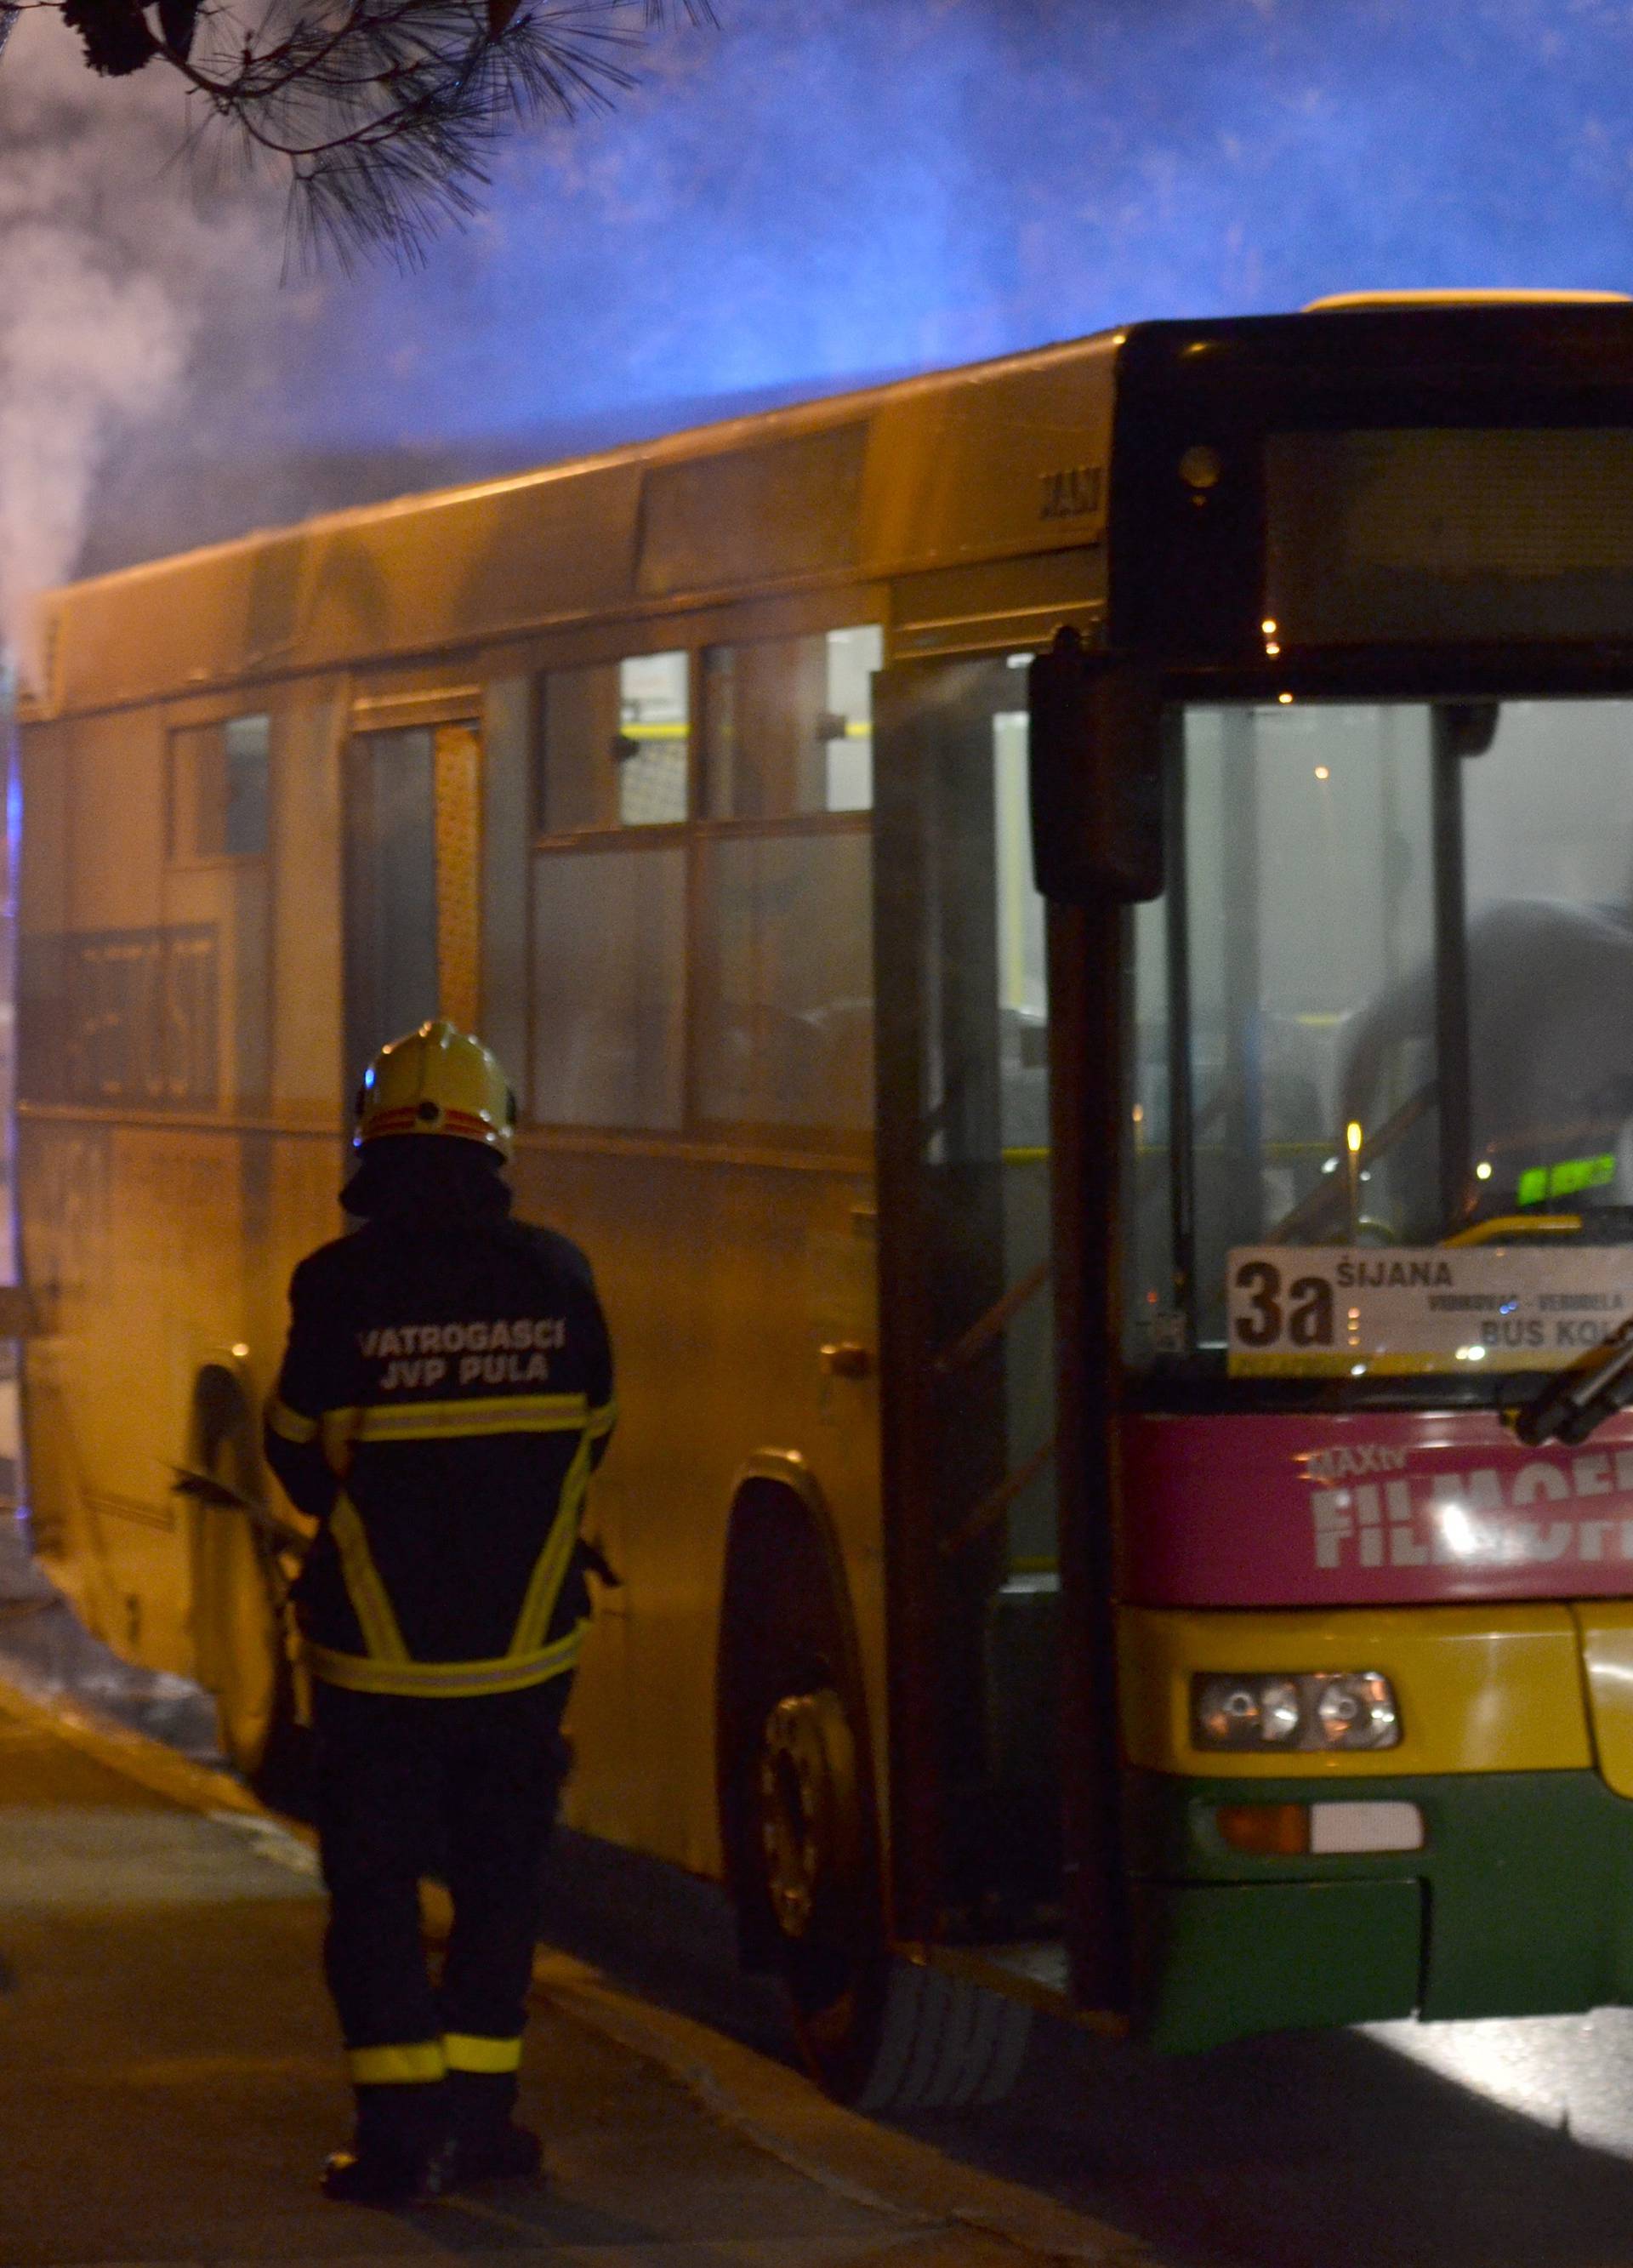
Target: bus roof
[(916, 485), (995, 461)]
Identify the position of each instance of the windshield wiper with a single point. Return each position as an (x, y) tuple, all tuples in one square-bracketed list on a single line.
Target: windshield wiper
[(1580, 1396)]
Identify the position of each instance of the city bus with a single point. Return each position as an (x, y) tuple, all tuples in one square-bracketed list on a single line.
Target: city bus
[(1063, 931)]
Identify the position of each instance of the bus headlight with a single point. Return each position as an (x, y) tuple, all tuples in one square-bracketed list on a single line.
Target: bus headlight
[(1355, 1710), (1313, 1710)]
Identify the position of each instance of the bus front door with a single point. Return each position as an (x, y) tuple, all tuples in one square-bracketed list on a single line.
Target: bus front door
[(966, 1334)]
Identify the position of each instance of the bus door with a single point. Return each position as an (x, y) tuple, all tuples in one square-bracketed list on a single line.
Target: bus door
[(966, 1333), (413, 839)]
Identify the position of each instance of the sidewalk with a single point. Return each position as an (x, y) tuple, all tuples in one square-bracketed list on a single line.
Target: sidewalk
[(45, 1645)]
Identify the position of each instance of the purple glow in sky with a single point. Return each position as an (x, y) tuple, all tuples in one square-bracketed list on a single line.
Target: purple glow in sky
[(830, 189)]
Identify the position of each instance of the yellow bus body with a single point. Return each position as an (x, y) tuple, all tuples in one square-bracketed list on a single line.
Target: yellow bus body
[(956, 512)]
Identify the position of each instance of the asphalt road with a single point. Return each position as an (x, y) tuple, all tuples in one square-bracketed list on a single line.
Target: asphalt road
[(1338, 2150), (1445, 2146)]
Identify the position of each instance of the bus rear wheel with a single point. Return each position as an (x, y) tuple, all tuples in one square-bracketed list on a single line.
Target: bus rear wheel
[(880, 2034), (240, 1584)]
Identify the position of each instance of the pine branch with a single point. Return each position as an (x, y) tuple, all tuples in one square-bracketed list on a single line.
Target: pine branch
[(387, 112)]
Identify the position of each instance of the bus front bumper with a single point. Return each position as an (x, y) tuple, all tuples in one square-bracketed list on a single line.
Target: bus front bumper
[(1520, 1902)]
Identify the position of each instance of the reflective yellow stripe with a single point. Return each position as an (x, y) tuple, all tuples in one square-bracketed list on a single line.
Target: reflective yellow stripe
[(364, 1586), (602, 1419), (414, 2063), (289, 1423), (444, 1421), (467, 2051), (337, 1427), (446, 1681), (550, 1571)]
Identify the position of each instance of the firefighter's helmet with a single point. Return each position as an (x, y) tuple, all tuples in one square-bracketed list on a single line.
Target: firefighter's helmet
[(437, 1080)]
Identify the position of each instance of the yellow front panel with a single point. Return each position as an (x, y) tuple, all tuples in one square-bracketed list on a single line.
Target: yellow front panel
[(1607, 1628), (1479, 1688)]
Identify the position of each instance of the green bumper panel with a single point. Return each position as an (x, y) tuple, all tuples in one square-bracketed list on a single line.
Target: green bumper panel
[(1520, 1903), (1219, 1960)]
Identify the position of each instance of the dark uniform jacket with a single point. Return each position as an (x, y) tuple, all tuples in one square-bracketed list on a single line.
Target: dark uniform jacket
[(445, 1396)]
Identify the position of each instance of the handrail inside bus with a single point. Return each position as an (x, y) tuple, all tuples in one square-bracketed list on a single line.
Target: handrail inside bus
[(997, 1502), (1504, 1226), (1332, 1198), (987, 1327)]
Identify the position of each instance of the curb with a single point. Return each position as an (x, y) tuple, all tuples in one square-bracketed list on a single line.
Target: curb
[(137, 1754), (783, 2114), (774, 2108)]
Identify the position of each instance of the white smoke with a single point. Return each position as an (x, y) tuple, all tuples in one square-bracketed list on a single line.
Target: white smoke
[(109, 270)]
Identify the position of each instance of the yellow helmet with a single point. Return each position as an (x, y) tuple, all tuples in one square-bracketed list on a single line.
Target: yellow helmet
[(437, 1080)]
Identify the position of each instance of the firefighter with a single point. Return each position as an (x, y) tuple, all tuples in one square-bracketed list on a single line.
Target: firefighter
[(446, 1393)]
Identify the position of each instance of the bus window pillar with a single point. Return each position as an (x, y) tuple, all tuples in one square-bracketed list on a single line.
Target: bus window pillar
[(1461, 730), (1181, 1110), (1242, 1070)]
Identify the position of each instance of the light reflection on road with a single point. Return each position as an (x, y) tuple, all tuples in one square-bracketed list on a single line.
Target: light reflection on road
[(1574, 2073)]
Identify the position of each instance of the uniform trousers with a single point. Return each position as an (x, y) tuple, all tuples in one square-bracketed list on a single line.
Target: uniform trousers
[(466, 1790)]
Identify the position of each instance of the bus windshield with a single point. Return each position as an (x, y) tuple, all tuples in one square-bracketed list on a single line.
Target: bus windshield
[(1387, 1002)]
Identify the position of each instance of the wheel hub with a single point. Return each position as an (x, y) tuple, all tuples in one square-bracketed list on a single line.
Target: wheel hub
[(809, 1814)]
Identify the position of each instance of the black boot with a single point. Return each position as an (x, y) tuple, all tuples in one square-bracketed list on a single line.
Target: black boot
[(385, 2177), (398, 2152), (507, 2153), (485, 2143)]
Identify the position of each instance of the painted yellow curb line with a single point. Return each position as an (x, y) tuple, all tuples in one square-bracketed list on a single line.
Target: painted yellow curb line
[(775, 2109)]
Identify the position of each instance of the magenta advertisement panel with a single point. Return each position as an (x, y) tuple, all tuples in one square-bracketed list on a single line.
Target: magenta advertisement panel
[(1396, 1508)]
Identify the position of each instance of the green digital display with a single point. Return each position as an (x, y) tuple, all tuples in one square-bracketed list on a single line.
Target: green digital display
[(1539, 1183)]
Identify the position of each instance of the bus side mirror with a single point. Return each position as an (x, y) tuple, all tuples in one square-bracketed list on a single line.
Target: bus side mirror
[(1097, 775)]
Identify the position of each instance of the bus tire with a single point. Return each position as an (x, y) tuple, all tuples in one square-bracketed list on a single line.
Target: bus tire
[(238, 1625), (879, 2033), (944, 2044), (799, 1828)]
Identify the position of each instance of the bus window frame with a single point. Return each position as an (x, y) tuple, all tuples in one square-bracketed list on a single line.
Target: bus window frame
[(176, 720), (607, 831), (740, 1140)]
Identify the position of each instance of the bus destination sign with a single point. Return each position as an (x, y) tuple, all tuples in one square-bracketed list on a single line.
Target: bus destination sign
[(1331, 1311)]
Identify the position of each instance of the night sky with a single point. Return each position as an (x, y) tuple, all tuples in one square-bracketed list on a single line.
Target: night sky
[(826, 191), (832, 188)]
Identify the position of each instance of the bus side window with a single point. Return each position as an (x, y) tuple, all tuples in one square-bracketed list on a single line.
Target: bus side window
[(613, 746), (218, 782), (775, 892), (611, 759), (785, 1009), (784, 1021), (788, 724), (609, 985), (211, 959)]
